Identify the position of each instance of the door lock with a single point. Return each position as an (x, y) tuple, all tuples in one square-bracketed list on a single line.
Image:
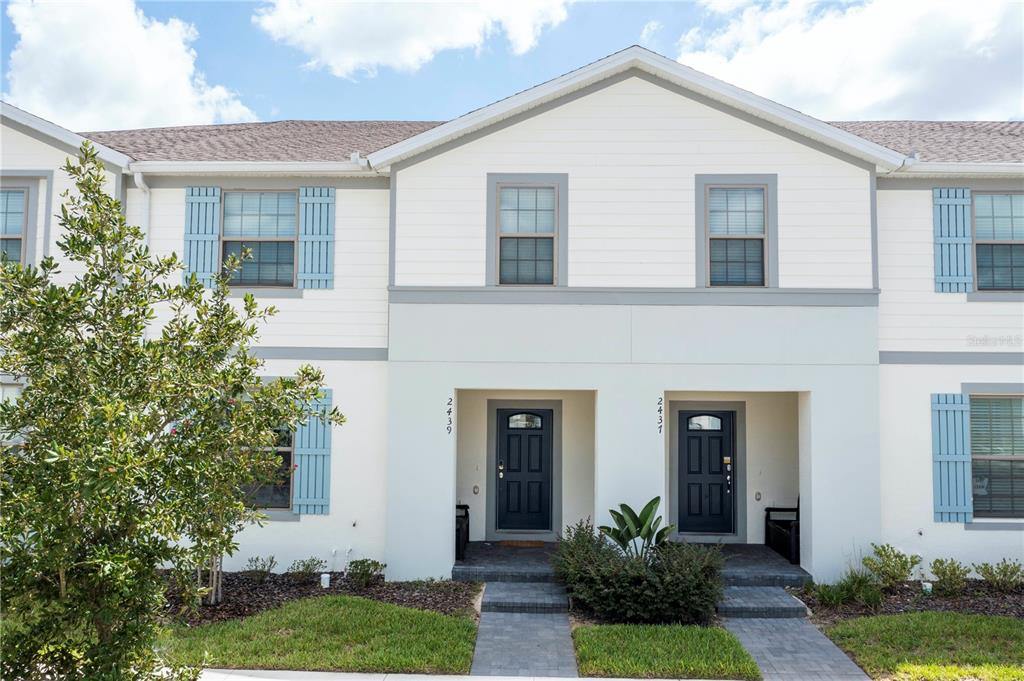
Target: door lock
[(501, 470)]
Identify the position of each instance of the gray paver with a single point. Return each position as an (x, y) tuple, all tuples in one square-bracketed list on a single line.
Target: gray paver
[(524, 644), (759, 602), (793, 649), (758, 565), (524, 597)]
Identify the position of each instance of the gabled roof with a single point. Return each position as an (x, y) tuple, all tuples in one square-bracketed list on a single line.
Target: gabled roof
[(282, 141), (58, 135), (946, 141), (636, 57)]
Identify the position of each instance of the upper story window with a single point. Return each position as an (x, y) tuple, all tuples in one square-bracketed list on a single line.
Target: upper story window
[(266, 223), (736, 222), (12, 224), (999, 241), (527, 224), (997, 456)]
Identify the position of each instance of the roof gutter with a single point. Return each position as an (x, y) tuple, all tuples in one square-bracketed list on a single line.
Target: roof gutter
[(944, 169), (348, 168)]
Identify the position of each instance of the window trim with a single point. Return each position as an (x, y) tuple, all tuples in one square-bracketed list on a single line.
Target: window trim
[(1012, 391), (977, 292), (559, 238), (30, 188), (294, 239), (703, 184)]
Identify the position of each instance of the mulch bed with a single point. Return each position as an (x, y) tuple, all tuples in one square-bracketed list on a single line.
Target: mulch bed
[(977, 598), (245, 595)]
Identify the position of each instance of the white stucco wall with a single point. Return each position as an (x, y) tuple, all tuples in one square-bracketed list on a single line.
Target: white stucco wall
[(631, 151), (906, 482)]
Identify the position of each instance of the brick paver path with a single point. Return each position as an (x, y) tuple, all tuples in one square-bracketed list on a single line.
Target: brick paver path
[(524, 644), (793, 650)]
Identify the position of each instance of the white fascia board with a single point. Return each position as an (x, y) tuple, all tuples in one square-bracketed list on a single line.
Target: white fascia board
[(56, 132), (663, 67), (319, 168), (941, 169)]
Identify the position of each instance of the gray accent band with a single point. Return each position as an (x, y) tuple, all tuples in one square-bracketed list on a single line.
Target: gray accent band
[(980, 184), (654, 80), (960, 358), (268, 292), (994, 526), (992, 388), (229, 182), (873, 192), (771, 256), (46, 175), (995, 296), (301, 353), (561, 181), (520, 295)]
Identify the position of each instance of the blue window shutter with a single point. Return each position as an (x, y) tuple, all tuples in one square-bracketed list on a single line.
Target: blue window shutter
[(316, 237), (951, 219), (951, 458), (202, 233), (311, 483)]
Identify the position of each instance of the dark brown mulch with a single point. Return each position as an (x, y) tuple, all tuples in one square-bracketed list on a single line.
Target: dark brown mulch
[(244, 596), (977, 598)]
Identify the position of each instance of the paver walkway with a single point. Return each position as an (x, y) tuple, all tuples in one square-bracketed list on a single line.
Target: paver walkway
[(524, 644), (793, 649)]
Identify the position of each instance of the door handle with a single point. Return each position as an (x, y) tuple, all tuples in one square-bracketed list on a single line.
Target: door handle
[(501, 470)]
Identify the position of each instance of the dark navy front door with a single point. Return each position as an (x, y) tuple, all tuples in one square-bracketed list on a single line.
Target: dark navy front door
[(523, 469), (707, 465)]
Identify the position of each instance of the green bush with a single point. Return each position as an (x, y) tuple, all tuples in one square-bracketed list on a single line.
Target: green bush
[(364, 572), (305, 570), (258, 569), (856, 586), (890, 566), (672, 583), (950, 576), (637, 533), (1006, 575)]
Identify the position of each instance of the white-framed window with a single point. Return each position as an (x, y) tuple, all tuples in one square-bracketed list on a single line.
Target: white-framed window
[(527, 225), (277, 493), (999, 241), (266, 223), (737, 235), (13, 208), (997, 456)]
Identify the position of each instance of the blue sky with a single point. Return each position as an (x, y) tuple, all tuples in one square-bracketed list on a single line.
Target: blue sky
[(108, 66)]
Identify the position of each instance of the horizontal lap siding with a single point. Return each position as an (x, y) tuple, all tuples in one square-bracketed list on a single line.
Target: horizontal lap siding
[(354, 312), (631, 152), (912, 315)]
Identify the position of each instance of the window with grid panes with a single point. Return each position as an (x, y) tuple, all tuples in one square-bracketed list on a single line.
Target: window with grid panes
[(12, 224), (266, 224), (736, 236), (527, 225), (997, 456), (999, 241)]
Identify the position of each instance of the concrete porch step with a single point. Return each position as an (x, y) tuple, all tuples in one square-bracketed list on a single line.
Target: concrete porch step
[(540, 597), (744, 602)]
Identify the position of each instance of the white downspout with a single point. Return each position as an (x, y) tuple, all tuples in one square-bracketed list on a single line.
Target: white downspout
[(140, 182)]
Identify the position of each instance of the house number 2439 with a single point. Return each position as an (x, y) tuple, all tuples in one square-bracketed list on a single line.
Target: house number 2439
[(448, 413)]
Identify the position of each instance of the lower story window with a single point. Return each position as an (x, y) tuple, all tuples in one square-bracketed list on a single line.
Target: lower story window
[(272, 263), (277, 493), (1000, 267), (997, 456)]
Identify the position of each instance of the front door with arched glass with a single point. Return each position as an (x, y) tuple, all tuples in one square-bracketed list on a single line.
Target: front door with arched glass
[(707, 465), (523, 469)]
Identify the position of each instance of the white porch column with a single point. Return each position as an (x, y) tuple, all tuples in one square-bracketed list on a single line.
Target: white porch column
[(629, 453), (840, 506), (420, 540)]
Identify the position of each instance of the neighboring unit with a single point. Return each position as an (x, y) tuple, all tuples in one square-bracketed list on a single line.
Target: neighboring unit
[(633, 280)]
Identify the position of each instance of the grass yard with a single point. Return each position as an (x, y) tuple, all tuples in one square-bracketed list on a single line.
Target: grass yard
[(661, 651), (935, 646), (330, 633)]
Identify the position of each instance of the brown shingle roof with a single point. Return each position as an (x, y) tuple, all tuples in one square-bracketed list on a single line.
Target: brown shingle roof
[(275, 141), (946, 141)]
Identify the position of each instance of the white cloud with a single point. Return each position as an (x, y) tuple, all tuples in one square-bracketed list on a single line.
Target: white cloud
[(650, 29), (350, 38), (929, 59), (104, 64)]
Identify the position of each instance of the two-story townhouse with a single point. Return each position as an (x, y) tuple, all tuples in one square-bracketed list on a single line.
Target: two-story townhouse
[(631, 281)]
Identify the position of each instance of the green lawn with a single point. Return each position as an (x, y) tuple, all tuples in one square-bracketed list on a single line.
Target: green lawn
[(935, 646), (330, 633), (661, 651)]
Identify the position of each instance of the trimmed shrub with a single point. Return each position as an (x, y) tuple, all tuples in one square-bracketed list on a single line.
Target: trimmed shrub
[(260, 568), (950, 576), (674, 583), (1006, 575), (305, 570), (364, 572), (890, 566), (856, 586)]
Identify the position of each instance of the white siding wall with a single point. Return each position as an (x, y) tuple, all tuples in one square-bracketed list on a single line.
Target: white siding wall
[(352, 314), (631, 152), (912, 316)]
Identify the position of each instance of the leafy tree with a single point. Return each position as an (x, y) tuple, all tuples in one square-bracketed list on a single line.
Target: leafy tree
[(143, 419)]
